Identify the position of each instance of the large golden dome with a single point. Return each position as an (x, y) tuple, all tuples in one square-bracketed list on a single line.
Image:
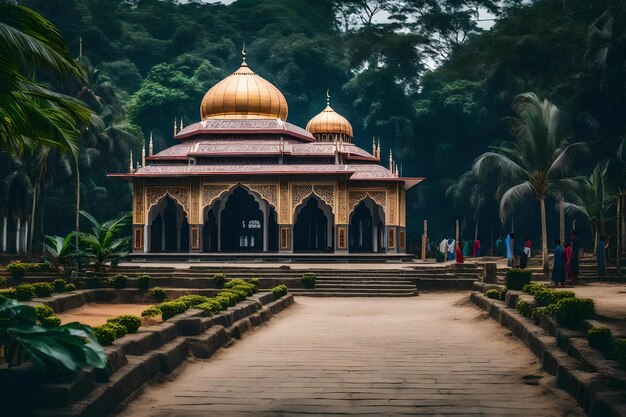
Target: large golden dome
[(329, 123), (244, 95)]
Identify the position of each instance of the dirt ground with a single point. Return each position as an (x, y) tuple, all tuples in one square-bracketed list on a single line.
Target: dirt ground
[(97, 314), (432, 355)]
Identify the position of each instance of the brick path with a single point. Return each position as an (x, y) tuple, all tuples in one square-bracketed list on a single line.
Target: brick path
[(432, 355)]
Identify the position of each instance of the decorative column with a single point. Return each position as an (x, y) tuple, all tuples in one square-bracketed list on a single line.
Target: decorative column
[(139, 217), (341, 227), (285, 222), (392, 228), (195, 221)]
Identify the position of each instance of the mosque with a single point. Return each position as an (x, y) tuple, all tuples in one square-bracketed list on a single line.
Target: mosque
[(244, 180)]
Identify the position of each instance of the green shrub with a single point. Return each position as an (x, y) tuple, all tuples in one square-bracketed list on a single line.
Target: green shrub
[(158, 294), (8, 293), (538, 312), (170, 309), (131, 323), (620, 352), (533, 287), (524, 308), (570, 312), (256, 282), (97, 282), (502, 294), (118, 281), (50, 321), (280, 291), (24, 292), (233, 298), (192, 300), (143, 282), (43, 289), (249, 289), (547, 296), (210, 306), (59, 285), (516, 278), (219, 279), (17, 269), (308, 280), (42, 311), (234, 283), (223, 300), (105, 334), (69, 288), (120, 330), (3, 282), (152, 311), (239, 294), (599, 337), (495, 294)]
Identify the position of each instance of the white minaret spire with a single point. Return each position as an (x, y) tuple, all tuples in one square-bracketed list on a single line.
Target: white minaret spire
[(175, 126), (151, 145), (130, 165), (143, 155)]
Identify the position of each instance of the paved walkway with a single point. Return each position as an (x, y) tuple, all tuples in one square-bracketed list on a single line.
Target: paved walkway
[(432, 355)]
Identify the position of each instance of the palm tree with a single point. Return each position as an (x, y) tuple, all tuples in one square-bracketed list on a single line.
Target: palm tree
[(469, 193), (537, 163), (595, 198), (32, 114)]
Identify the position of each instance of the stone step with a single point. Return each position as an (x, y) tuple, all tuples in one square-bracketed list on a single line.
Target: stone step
[(364, 290), (352, 294), (366, 286)]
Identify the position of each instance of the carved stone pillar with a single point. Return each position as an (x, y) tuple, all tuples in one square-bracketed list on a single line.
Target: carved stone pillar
[(285, 225)]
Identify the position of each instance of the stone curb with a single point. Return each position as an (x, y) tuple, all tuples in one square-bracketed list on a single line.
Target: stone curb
[(137, 359), (591, 390)]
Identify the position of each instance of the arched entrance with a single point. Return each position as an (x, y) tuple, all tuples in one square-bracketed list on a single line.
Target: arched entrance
[(367, 227), (313, 230), (168, 227), (241, 223)]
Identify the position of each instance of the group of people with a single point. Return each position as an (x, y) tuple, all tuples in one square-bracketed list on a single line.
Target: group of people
[(451, 250), (506, 249)]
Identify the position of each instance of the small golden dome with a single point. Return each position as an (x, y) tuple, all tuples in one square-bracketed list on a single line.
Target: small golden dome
[(329, 122), (244, 95)]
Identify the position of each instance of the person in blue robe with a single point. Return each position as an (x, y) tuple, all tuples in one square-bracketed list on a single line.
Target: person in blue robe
[(558, 270)]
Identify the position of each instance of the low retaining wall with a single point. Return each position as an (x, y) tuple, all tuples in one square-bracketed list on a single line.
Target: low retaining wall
[(135, 359), (579, 370)]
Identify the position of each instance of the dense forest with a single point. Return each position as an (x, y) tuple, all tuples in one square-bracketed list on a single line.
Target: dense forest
[(421, 75)]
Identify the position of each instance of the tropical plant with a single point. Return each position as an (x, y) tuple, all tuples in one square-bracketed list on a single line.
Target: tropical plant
[(32, 114), (104, 244), (59, 251), (537, 163), (60, 349)]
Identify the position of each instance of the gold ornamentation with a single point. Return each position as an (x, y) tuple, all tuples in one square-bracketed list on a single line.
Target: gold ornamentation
[(195, 202), (179, 193), (402, 208), (342, 209), (268, 192), (301, 192), (392, 200), (284, 202), (138, 194), (211, 192), (378, 196)]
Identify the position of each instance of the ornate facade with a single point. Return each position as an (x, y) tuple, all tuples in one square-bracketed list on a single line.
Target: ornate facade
[(244, 179)]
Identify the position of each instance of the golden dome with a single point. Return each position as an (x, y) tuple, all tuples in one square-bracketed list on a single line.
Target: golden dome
[(329, 122), (244, 95)]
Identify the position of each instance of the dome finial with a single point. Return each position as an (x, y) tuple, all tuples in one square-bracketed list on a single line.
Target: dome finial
[(327, 97), (243, 55)]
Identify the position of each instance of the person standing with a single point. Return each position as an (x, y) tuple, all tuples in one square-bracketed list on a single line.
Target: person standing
[(443, 250), (575, 254), (509, 242), (523, 259), (451, 249), (558, 269), (466, 248), (568, 262), (528, 244), (499, 247), (601, 256), (476, 247), (459, 252)]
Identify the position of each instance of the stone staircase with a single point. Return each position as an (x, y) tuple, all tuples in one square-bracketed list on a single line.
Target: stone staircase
[(340, 281)]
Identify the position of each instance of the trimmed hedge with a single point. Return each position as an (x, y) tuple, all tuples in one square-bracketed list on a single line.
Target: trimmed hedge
[(524, 308), (546, 296), (158, 294), (43, 311), (570, 312), (24, 292), (131, 323), (210, 306), (105, 334), (538, 312), (50, 321), (494, 294), (43, 289), (534, 287), (170, 309), (59, 285), (219, 279), (143, 282), (308, 280), (599, 337), (151, 311), (517, 278), (69, 288), (192, 300), (118, 281), (280, 291)]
